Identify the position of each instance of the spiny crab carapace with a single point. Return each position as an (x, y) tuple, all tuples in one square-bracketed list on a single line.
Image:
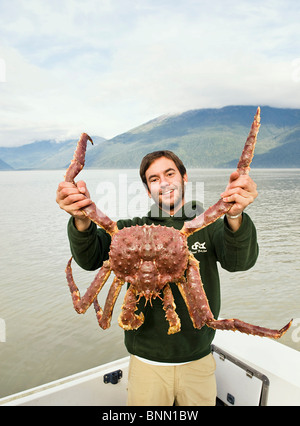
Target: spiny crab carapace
[(140, 256)]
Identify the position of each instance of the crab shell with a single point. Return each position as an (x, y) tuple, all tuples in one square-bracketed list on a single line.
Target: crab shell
[(148, 257)]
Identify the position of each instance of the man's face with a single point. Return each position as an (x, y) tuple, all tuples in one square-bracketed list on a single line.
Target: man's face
[(166, 185)]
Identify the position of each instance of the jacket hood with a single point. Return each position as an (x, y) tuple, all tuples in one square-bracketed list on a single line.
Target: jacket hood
[(187, 212)]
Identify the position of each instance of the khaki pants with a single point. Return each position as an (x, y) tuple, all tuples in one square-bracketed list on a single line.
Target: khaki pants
[(192, 384)]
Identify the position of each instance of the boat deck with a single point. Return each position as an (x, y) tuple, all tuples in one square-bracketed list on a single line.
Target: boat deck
[(250, 371)]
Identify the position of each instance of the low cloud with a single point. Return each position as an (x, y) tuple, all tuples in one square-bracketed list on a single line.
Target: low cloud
[(106, 67)]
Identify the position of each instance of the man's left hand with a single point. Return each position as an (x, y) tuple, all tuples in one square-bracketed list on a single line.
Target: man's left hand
[(241, 190)]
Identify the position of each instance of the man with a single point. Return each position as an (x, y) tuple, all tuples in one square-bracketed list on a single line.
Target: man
[(180, 367)]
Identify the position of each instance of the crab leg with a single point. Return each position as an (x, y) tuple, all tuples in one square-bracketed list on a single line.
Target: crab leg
[(128, 320), (169, 307), (104, 317), (81, 304), (91, 211), (201, 314), (78, 160), (220, 208), (194, 295), (243, 166), (236, 324)]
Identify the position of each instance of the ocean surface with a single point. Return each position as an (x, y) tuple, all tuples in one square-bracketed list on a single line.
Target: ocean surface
[(42, 338)]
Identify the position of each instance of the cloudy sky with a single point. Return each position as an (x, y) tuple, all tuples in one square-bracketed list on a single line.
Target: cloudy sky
[(107, 66)]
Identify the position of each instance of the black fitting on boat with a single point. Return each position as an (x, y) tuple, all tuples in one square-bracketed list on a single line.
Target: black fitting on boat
[(113, 377)]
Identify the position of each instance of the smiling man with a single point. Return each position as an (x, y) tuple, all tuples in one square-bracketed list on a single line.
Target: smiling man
[(164, 180), (171, 368), (164, 176)]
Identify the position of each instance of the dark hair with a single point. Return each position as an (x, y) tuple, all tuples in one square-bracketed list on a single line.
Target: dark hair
[(152, 156)]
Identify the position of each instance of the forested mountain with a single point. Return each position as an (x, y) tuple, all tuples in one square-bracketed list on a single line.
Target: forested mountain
[(201, 138)]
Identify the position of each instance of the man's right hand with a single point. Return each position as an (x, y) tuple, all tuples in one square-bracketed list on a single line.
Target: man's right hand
[(72, 198)]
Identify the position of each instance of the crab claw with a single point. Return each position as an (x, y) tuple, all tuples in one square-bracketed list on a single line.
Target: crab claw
[(243, 327), (284, 329), (78, 160)]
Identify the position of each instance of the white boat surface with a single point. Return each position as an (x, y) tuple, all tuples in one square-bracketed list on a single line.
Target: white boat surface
[(250, 371)]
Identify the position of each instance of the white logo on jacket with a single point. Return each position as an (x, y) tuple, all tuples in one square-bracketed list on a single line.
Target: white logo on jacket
[(198, 247)]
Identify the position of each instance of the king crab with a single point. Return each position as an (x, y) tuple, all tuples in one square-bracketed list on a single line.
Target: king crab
[(140, 256)]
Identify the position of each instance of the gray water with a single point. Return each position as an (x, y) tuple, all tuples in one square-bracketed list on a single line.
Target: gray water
[(43, 339)]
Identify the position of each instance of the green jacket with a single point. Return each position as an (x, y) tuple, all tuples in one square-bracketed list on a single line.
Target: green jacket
[(235, 251)]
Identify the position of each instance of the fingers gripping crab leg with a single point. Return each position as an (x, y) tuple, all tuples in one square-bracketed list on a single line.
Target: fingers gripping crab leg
[(220, 208), (91, 211)]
